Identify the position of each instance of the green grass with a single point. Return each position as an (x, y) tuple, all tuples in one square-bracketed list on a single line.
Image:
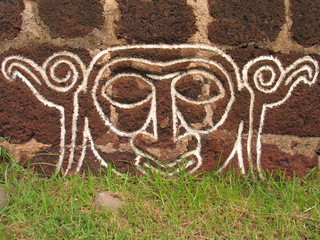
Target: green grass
[(158, 207)]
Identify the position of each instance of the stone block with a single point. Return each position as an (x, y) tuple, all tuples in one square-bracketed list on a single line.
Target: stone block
[(155, 21), (10, 18), (244, 22), (306, 22), (71, 18)]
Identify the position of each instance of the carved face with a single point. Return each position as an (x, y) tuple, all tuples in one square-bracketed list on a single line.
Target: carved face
[(164, 107), (161, 106)]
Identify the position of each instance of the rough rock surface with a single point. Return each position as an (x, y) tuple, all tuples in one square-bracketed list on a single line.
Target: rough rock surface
[(161, 106), (243, 22), (71, 18), (306, 22), (158, 21), (10, 18)]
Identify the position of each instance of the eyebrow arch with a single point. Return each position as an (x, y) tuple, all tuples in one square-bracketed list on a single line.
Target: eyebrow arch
[(161, 77)]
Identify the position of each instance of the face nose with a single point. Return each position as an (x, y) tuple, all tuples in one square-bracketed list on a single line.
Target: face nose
[(165, 151), (162, 142)]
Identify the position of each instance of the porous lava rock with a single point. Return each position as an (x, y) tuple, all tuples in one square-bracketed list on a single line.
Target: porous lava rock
[(71, 18), (242, 22), (22, 116), (10, 18), (273, 159), (187, 95), (153, 21), (296, 116), (306, 22)]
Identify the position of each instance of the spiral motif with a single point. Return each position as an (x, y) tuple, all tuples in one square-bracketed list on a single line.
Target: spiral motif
[(263, 83), (265, 72), (63, 71)]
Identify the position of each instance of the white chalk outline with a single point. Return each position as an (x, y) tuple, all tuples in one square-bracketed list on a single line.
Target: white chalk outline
[(312, 74), (12, 64), (152, 116), (16, 61)]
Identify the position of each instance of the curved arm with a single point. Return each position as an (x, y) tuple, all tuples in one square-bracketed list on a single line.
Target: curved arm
[(304, 70), (271, 83), (61, 73), (15, 67)]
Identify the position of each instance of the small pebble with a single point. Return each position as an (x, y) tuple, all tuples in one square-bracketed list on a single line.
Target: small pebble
[(107, 200)]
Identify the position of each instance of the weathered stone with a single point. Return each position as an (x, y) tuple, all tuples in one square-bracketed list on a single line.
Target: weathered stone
[(10, 18), (295, 117), (290, 164), (71, 18), (23, 151), (167, 107), (243, 22), (108, 201), (306, 22), (24, 119), (158, 21)]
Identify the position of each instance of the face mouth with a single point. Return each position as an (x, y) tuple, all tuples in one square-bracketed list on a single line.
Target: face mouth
[(168, 156), (188, 162)]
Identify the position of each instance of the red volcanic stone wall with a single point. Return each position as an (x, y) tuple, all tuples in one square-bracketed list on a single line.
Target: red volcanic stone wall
[(306, 22), (21, 115), (10, 18), (178, 78), (296, 116), (155, 21), (71, 18), (243, 22)]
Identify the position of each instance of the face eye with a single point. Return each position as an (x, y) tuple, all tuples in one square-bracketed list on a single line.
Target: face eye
[(127, 90), (124, 102), (202, 98), (199, 87)]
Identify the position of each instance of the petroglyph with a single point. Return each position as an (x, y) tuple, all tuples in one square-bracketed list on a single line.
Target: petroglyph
[(177, 106)]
